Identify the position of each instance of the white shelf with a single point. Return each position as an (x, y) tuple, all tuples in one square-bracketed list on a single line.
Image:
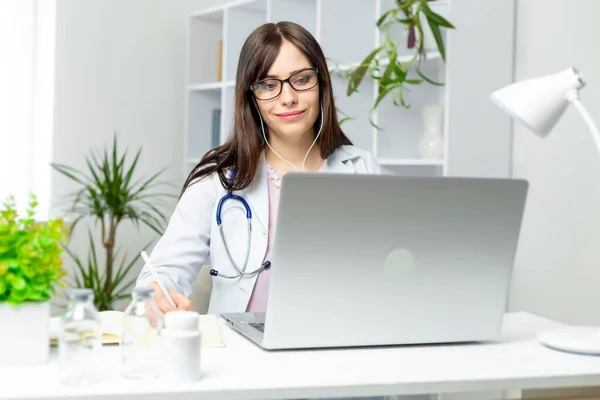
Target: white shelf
[(210, 86), (241, 4), (206, 87), (415, 162), (429, 56)]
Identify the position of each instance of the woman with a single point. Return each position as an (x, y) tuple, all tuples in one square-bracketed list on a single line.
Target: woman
[(285, 120)]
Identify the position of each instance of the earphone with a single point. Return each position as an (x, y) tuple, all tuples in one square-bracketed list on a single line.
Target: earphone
[(277, 154)]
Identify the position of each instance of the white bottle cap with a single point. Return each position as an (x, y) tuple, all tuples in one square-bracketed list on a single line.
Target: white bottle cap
[(182, 320)]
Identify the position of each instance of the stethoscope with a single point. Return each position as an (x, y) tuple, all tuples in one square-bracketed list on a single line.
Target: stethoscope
[(240, 271)]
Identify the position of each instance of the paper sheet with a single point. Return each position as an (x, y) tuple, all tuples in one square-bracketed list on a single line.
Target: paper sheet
[(111, 326), (212, 336)]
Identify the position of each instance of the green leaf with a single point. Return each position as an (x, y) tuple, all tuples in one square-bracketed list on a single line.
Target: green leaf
[(437, 18), (360, 72), (145, 184), (85, 276), (75, 222), (122, 297), (400, 71), (383, 18), (405, 21), (437, 34), (373, 124), (69, 172), (428, 79), (382, 93), (399, 100), (405, 4), (131, 170), (94, 273), (124, 268)]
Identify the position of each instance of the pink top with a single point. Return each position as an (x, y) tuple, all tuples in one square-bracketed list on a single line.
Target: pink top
[(258, 300)]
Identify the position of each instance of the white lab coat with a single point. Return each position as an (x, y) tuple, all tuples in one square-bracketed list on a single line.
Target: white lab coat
[(192, 237)]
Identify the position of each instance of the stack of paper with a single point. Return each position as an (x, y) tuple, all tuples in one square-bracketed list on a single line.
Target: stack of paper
[(211, 331)]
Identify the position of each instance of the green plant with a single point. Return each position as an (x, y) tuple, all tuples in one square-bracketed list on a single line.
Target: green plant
[(90, 275), (30, 254), (110, 195), (383, 65)]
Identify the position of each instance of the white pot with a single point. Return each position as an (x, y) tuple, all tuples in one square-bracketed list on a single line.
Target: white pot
[(24, 333)]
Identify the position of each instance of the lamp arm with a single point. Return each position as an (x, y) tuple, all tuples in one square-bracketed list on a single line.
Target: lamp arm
[(574, 99)]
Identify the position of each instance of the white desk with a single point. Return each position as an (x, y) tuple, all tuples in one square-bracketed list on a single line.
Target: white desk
[(243, 371)]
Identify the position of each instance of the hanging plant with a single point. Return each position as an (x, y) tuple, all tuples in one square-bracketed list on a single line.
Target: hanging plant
[(383, 66)]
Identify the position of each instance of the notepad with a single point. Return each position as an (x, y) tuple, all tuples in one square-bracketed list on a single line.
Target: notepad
[(212, 336), (111, 327)]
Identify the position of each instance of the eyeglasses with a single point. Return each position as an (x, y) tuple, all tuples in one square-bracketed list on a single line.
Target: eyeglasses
[(300, 81)]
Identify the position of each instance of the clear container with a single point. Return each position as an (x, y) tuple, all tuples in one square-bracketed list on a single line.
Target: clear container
[(140, 342), (79, 341)]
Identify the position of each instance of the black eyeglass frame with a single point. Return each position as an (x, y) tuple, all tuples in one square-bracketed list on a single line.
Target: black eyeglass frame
[(282, 81)]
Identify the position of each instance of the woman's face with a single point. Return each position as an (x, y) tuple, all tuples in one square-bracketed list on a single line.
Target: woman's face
[(292, 114)]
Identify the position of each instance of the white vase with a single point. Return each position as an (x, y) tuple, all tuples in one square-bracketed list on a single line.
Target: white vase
[(24, 333), (431, 143)]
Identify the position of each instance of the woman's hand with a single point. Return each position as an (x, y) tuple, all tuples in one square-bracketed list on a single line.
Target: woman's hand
[(182, 302)]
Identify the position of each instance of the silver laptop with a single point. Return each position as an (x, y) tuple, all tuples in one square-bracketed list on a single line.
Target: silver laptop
[(374, 260)]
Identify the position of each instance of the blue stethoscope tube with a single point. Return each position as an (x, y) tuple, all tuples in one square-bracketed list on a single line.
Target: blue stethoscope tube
[(240, 271)]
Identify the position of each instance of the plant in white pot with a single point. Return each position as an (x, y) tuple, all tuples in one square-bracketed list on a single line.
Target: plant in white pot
[(30, 273)]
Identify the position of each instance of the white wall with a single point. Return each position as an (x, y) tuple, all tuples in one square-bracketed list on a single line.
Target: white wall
[(558, 263), (120, 67)]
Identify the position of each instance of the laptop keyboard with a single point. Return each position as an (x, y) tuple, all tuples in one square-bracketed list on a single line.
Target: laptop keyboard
[(258, 325)]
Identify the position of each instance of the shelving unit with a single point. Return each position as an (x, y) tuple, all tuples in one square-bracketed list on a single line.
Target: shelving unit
[(476, 136)]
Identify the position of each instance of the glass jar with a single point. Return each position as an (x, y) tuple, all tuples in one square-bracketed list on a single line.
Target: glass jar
[(140, 341), (80, 340)]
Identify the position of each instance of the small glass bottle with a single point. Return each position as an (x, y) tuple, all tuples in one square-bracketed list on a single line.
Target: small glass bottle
[(140, 342), (80, 340)]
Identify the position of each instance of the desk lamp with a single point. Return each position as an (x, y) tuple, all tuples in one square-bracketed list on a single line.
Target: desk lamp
[(538, 104)]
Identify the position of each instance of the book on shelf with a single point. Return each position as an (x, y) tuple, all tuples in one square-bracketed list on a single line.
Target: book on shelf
[(216, 128), (220, 61)]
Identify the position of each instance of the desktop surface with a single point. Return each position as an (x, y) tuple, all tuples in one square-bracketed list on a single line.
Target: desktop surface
[(242, 370)]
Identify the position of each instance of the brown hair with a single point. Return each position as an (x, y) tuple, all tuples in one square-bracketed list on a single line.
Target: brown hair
[(241, 152)]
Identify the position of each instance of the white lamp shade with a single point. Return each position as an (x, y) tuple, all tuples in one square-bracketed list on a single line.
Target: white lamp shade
[(539, 103)]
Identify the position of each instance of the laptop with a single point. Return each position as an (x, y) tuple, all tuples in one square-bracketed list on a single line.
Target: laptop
[(386, 260)]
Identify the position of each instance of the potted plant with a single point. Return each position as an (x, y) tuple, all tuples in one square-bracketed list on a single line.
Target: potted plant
[(30, 274), (110, 194), (383, 64)]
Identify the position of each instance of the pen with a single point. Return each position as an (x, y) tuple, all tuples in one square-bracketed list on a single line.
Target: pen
[(155, 275)]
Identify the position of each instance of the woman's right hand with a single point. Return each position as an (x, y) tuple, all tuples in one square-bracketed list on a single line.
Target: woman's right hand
[(182, 302)]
